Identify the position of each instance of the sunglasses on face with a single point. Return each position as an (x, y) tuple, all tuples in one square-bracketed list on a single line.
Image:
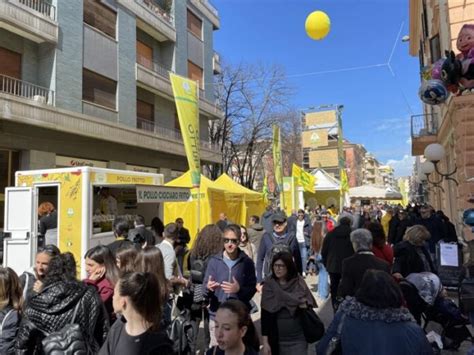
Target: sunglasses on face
[(233, 241)]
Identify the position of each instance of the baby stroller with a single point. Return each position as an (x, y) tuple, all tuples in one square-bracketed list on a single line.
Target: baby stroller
[(427, 303)]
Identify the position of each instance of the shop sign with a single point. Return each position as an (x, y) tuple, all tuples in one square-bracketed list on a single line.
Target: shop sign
[(153, 194), (142, 169), (62, 161)]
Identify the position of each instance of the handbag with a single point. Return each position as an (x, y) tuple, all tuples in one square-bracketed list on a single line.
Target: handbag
[(313, 328), (69, 340), (334, 345)]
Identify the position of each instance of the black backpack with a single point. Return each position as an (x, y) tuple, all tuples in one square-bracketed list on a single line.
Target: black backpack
[(280, 245), (182, 332)]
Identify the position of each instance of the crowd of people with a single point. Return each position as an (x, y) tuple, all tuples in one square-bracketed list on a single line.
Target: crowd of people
[(149, 290)]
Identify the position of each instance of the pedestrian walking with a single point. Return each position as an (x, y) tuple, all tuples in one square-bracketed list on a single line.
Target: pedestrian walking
[(121, 228), (235, 331), (229, 275), (337, 246), (255, 231), (284, 293), (138, 331), (102, 274), (380, 247), (11, 303)]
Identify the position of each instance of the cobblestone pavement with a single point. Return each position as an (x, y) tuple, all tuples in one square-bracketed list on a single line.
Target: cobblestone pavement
[(326, 314)]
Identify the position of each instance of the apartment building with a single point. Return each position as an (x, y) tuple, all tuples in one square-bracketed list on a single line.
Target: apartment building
[(386, 173), (86, 82), (355, 163), (371, 170), (434, 28)]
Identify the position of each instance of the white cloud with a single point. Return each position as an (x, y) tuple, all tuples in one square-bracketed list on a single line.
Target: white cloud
[(402, 167), (392, 124), (408, 141)]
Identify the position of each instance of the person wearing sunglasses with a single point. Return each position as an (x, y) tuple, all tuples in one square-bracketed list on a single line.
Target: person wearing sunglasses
[(230, 274)]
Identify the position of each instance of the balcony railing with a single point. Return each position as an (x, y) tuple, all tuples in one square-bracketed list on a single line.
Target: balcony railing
[(157, 10), (424, 125), (41, 6), (174, 134), (156, 67), (27, 90)]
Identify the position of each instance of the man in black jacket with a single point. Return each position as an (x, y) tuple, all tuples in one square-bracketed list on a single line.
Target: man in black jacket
[(355, 266), (336, 247)]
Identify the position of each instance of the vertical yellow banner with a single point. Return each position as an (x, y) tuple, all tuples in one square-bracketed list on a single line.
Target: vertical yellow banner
[(277, 163), (186, 98)]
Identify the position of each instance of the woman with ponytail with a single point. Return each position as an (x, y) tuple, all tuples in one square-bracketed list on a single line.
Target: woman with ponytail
[(138, 331), (235, 332)]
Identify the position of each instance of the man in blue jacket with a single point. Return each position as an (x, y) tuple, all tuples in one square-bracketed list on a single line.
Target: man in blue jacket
[(229, 275), (280, 236)]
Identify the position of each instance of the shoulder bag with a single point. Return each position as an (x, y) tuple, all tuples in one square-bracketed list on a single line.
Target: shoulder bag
[(334, 345)]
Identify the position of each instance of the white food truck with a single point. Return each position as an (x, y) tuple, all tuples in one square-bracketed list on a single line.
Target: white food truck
[(87, 200)]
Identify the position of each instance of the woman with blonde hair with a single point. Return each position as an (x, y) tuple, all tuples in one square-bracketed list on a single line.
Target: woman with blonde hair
[(10, 309), (411, 255)]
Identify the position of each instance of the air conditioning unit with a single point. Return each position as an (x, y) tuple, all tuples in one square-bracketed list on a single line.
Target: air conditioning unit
[(39, 98)]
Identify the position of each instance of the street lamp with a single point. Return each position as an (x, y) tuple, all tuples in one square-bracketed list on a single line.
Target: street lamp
[(427, 168), (434, 153)]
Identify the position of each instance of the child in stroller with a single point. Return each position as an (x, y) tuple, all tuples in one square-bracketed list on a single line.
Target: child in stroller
[(427, 300)]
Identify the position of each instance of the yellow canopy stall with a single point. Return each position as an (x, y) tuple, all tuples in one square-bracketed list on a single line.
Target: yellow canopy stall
[(254, 203), (213, 200)]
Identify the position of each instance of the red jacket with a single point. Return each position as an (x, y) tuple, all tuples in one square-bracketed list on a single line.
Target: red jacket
[(385, 253), (106, 291)]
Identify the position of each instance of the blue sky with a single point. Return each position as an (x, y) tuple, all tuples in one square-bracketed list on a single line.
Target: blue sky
[(377, 105)]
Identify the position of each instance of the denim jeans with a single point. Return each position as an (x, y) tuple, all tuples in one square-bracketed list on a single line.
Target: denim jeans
[(304, 255), (323, 279)]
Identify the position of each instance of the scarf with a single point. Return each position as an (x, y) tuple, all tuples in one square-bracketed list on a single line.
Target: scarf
[(290, 295)]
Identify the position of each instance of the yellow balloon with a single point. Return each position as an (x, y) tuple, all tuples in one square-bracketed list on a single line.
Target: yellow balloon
[(317, 25)]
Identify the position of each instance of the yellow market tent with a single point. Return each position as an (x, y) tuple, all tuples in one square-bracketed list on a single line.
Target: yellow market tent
[(254, 203), (213, 200)]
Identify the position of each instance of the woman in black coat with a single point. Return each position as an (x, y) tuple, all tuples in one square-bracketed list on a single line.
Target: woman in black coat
[(53, 308), (411, 255)]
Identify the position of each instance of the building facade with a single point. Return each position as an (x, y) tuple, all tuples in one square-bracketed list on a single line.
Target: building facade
[(355, 163), (87, 83), (434, 28), (371, 173), (387, 177), (320, 141)]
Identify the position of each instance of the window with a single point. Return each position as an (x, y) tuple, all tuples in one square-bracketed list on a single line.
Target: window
[(100, 17), (435, 48), (98, 89), (176, 122), (424, 21), (10, 63), (194, 25), (145, 116), (195, 73), (144, 55)]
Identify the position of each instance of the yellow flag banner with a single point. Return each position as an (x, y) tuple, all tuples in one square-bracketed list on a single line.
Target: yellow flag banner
[(185, 95), (344, 182), (277, 167), (304, 179)]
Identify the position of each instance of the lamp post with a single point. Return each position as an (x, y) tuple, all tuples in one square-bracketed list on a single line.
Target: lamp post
[(427, 168), (434, 153)]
